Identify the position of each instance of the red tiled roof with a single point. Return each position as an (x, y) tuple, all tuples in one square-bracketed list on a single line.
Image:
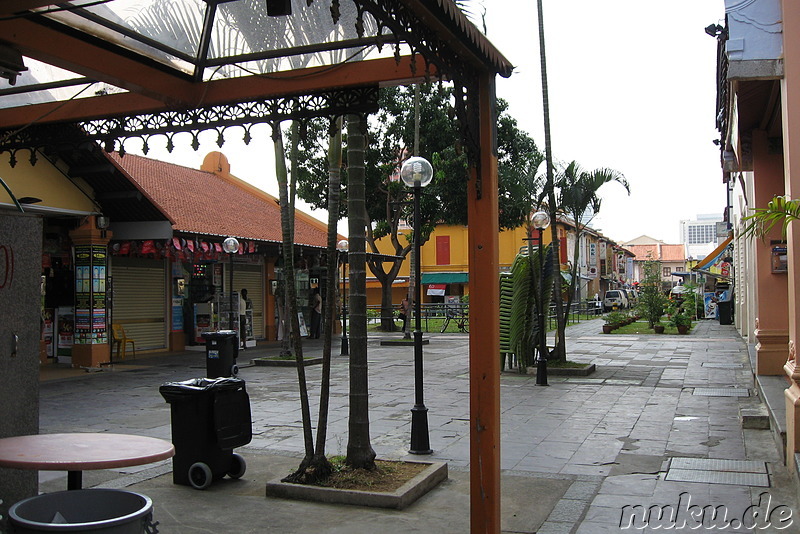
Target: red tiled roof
[(205, 203), (662, 252), (673, 253)]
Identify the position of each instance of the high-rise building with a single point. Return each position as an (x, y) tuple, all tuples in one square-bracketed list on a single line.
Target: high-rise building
[(700, 235)]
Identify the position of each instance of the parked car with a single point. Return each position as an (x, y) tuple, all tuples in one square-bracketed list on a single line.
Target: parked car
[(615, 298), (632, 297)]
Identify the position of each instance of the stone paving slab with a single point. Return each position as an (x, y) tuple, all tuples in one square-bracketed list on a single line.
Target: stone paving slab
[(573, 454)]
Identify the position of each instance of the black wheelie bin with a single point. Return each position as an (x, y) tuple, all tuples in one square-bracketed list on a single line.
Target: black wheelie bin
[(222, 349), (210, 417)]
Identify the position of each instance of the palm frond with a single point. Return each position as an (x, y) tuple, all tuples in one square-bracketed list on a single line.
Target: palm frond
[(781, 209)]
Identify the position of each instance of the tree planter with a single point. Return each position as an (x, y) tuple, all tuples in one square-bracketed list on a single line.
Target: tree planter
[(412, 490), (683, 329), (659, 328), (607, 328)]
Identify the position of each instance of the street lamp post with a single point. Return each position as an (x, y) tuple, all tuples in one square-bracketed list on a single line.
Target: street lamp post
[(343, 246), (541, 220), (417, 172), (231, 246)]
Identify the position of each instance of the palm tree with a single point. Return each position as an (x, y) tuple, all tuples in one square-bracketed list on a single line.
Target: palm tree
[(549, 188), (577, 198)]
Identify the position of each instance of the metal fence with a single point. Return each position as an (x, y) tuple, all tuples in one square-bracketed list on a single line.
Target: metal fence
[(433, 314)]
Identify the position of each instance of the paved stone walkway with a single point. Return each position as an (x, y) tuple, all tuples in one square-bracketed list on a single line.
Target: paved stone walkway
[(574, 454)]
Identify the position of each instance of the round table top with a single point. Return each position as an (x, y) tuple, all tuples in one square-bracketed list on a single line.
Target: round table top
[(81, 451)]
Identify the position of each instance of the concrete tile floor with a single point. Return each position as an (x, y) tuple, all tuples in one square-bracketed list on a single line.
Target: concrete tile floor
[(573, 454)]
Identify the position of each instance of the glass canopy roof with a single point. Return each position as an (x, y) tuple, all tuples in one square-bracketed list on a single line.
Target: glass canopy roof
[(165, 50), (200, 39)]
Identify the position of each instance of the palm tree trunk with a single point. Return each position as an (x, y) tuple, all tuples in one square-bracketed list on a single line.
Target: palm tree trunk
[(334, 194), (291, 291), (359, 450), (560, 352)]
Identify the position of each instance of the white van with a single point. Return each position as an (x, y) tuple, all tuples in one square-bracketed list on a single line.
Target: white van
[(615, 298)]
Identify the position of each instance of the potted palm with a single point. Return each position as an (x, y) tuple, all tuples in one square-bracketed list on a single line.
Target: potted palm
[(681, 320)]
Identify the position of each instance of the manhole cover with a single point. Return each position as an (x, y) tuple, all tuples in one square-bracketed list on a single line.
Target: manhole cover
[(722, 392)]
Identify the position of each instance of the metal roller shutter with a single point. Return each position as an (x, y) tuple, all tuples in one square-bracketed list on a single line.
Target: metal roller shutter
[(251, 277), (140, 300)]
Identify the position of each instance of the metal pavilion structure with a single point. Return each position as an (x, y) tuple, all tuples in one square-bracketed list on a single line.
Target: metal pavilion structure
[(134, 69)]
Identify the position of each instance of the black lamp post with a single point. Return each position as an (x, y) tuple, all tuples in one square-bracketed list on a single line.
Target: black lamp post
[(417, 173), (541, 220), (343, 246), (231, 246)]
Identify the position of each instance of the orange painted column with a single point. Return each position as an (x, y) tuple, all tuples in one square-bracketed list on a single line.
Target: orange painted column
[(790, 109), (484, 338), (90, 354), (772, 304)]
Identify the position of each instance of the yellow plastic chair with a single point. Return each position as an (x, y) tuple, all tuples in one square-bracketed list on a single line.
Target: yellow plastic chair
[(121, 340)]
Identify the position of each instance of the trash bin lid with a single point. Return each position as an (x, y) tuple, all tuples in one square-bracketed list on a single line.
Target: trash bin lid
[(200, 385), (219, 334)]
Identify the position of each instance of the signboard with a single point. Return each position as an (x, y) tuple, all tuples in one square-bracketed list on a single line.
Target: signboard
[(90, 319)]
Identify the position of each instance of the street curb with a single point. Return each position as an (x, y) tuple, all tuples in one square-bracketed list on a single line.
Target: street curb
[(269, 362)]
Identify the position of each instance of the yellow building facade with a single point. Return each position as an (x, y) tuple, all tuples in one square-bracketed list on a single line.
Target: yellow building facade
[(445, 263)]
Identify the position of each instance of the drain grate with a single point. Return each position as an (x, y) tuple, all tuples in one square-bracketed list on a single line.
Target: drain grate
[(760, 480), (722, 392), (718, 471), (722, 365), (716, 464)]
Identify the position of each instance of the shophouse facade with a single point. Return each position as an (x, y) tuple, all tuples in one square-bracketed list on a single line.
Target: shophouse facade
[(674, 265), (758, 118), (130, 241), (445, 267)]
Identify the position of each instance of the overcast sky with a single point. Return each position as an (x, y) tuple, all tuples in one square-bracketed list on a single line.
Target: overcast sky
[(632, 87)]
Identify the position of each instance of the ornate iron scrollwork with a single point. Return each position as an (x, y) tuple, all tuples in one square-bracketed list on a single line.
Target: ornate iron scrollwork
[(113, 132)]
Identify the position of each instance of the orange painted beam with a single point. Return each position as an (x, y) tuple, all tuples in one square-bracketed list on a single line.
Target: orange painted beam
[(102, 64), (484, 342), (384, 71)]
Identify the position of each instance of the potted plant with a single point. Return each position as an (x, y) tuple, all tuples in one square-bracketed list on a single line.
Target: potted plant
[(681, 320), (613, 321), (658, 328)]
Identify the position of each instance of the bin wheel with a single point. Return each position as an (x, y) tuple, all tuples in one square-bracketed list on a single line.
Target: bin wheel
[(238, 466), (200, 475), (234, 370)]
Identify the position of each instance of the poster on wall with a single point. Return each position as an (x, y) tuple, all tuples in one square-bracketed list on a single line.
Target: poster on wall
[(90, 295)]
